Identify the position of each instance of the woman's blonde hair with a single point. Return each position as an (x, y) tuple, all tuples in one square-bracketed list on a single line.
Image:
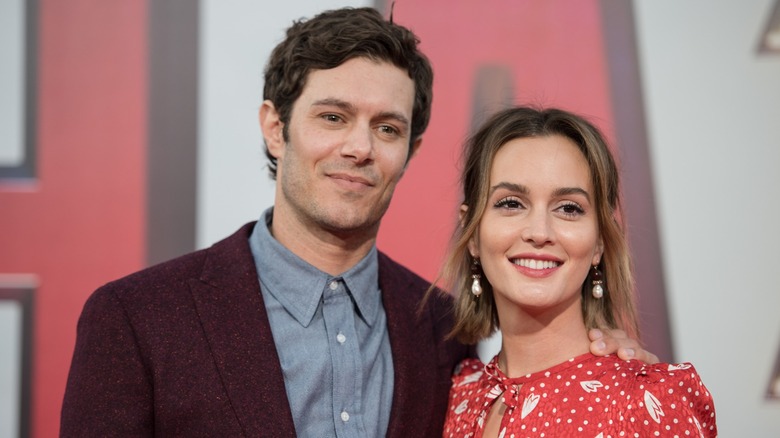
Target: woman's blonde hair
[(476, 318)]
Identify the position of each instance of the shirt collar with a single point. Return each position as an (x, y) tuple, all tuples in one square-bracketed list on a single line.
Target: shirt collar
[(298, 286)]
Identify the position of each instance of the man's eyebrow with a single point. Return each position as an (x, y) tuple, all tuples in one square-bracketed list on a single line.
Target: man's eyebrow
[(350, 108), (330, 101), (398, 117)]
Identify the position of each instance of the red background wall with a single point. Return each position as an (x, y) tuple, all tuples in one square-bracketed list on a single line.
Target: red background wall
[(80, 223)]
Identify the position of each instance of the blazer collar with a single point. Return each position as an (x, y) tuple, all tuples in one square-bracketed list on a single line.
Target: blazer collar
[(228, 300), (412, 342)]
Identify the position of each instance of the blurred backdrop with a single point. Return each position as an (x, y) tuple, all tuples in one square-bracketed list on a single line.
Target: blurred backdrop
[(129, 135)]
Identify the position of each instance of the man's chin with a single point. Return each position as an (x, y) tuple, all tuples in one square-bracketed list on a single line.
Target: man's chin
[(351, 225)]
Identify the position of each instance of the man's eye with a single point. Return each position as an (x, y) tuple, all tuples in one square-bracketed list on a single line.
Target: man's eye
[(331, 118), (387, 129)]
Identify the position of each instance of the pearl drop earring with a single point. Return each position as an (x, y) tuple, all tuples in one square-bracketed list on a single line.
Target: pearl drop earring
[(598, 288), (476, 286)]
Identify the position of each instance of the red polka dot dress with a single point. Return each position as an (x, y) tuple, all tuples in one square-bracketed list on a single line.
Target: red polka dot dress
[(586, 396)]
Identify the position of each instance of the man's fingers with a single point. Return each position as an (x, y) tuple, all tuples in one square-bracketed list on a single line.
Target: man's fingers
[(616, 341), (640, 354)]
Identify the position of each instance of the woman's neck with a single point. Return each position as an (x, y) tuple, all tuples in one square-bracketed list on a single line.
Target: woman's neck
[(534, 343)]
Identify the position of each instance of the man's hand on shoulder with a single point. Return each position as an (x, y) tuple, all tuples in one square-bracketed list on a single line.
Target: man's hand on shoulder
[(604, 342)]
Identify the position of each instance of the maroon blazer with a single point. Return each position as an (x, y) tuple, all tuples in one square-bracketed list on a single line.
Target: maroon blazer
[(184, 348)]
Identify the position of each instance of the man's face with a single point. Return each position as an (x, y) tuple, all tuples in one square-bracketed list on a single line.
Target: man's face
[(348, 144)]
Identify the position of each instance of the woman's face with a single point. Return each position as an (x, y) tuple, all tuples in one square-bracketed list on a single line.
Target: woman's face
[(539, 234)]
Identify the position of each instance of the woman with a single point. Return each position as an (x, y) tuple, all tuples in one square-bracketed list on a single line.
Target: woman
[(541, 253)]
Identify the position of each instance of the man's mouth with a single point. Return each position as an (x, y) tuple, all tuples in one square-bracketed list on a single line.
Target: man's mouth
[(352, 179)]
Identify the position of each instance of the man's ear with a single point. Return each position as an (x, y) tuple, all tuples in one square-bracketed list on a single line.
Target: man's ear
[(273, 128), (412, 152), (473, 244), (415, 148)]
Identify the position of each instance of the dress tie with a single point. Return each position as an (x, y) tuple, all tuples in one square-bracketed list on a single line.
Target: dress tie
[(500, 386)]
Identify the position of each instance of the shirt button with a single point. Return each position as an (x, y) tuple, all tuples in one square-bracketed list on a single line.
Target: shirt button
[(341, 338), (344, 416), (334, 285)]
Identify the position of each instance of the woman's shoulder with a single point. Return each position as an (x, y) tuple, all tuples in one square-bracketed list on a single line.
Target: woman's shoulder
[(657, 373), (672, 391), (678, 377), (661, 380), (469, 370), (468, 366)]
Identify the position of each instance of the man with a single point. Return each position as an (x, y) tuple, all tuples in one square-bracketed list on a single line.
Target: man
[(295, 324)]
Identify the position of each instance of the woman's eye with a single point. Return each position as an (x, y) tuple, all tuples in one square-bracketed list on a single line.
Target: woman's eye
[(511, 203), (572, 209)]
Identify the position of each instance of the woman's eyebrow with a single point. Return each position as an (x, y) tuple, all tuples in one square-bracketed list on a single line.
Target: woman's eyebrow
[(512, 187)]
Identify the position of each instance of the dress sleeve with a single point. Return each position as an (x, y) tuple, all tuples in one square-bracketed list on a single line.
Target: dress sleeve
[(463, 406), (465, 371), (671, 399), (109, 391)]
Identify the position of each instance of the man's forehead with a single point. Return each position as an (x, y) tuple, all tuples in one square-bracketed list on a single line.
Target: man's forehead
[(360, 84)]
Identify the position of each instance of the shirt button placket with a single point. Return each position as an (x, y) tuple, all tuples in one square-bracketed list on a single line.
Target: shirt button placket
[(337, 316)]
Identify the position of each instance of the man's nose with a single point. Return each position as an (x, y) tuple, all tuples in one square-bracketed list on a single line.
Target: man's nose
[(359, 144)]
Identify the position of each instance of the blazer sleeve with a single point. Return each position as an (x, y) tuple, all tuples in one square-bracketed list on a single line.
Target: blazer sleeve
[(109, 391)]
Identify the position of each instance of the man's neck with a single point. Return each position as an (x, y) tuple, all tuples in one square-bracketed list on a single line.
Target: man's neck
[(329, 251)]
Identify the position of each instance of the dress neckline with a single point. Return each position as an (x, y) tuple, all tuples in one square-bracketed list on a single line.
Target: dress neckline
[(492, 369)]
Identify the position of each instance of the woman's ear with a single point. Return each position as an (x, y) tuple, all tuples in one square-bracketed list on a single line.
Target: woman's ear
[(473, 244), (273, 129), (462, 214), (599, 252)]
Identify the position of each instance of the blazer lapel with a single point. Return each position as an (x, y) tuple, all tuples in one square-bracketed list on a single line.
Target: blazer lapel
[(413, 347), (229, 303)]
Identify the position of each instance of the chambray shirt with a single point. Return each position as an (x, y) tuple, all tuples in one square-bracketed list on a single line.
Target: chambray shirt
[(331, 337)]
